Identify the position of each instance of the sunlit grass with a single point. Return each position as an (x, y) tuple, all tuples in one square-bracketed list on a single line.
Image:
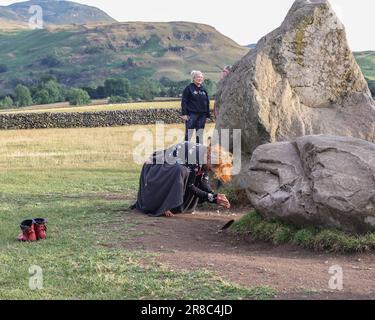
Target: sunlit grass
[(100, 107), (110, 148), (64, 107), (83, 181)]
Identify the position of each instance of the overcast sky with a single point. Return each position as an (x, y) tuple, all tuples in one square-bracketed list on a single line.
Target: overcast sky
[(242, 20)]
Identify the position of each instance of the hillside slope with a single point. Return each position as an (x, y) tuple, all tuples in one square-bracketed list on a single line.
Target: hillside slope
[(55, 12), (86, 55), (366, 60)]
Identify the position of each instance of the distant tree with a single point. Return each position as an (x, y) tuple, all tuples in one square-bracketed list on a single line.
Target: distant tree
[(3, 68), (23, 96), (95, 93), (173, 88), (117, 99), (54, 91), (135, 92), (7, 102), (78, 97), (117, 87), (41, 97), (91, 91), (100, 93), (211, 87), (163, 92), (146, 89), (48, 91)]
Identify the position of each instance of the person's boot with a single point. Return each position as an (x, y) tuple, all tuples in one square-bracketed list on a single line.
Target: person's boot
[(40, 228), (28, 231)]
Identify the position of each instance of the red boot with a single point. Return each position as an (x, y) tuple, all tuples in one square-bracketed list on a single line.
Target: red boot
[(28, 231), (40, 228)]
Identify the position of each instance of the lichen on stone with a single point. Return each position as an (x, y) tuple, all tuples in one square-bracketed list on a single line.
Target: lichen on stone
[(299, 40)]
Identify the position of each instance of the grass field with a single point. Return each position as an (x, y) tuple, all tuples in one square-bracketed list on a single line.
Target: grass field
[(83, 180), (64, 107)]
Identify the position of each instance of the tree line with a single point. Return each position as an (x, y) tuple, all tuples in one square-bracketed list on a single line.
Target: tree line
[(46, 91), (119, 90), (144, 89)]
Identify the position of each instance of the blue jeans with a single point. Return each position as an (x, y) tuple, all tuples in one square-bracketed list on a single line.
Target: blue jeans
[(197, 122)]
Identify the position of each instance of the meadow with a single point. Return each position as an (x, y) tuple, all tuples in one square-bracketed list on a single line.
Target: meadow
[(65, 107), (83, 181)]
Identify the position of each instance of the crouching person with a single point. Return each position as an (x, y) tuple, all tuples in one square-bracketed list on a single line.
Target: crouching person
[(176, 180)]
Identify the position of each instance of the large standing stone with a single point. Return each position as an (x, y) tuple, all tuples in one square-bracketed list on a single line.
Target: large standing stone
[(302, 79), (315, 180)]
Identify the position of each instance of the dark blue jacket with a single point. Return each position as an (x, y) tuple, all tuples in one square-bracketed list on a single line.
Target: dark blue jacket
[(195, 100)]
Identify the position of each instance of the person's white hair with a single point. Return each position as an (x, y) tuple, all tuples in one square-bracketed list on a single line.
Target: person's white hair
[(196, 73)]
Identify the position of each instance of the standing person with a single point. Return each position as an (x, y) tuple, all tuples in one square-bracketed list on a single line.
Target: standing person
[(195, 107)]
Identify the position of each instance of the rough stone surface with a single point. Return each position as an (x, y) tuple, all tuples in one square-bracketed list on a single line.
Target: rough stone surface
[(320, 180), (302, 79)]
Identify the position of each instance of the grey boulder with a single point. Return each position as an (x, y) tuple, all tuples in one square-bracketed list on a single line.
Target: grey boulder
[(318, 180)]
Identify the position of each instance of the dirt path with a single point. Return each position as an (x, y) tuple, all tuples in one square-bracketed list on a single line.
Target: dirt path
[(192, 242)]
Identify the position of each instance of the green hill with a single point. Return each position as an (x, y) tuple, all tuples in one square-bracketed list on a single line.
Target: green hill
[(8, 24), (83, 46), (55, 12), (88, 54), (366, 60)]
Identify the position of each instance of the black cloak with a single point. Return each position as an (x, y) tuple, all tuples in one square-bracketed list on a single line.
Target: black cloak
[(175, 180)]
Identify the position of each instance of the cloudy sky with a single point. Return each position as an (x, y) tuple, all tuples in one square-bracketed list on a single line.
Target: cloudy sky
[(243, 21)]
